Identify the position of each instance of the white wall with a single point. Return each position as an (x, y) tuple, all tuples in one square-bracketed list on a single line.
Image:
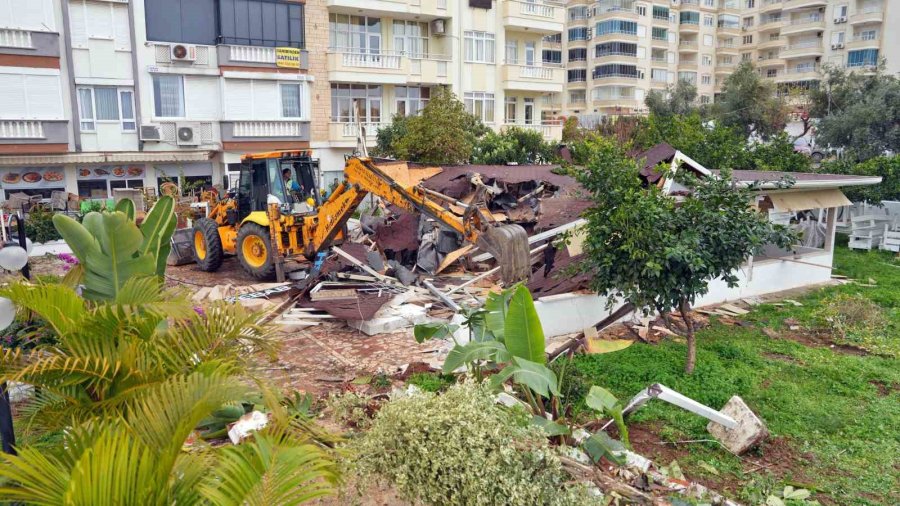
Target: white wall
[(35, 15), (31, 93)]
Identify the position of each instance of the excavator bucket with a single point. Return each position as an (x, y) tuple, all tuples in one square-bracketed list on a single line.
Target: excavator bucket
[(509, 245)]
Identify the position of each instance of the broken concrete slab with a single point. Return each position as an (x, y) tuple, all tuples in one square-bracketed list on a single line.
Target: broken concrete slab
[(397, 318), (749, 432)]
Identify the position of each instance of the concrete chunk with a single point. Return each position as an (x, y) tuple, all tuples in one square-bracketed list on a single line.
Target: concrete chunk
[(750, 430)]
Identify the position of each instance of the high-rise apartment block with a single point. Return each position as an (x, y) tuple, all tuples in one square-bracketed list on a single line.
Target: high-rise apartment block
[(97, 95), (616, 51)]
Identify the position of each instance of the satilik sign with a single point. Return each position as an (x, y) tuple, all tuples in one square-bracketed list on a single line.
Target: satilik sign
[(287, 57)]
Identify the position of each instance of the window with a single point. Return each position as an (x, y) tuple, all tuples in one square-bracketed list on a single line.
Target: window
[(707, 20), (862, 57), (342, 102), (576, 96), (708, 40), (552, 56), (411, 99), (729, 21), (641, 10), (746, 56), (576, 75), (614, 93), (837, 37), (840, 11), (706, 60), (660, 33), (411, 38), (556, 38), (481, 105), (748, 22), (580, 33), (615, 49), (616, 26), (106, 104), (578, 54), (86, 108), (688, 77), (706, 79), (690, 18), (529, 53), (704, 99), (358, 34), (751, 4), (772, 73), (616, 70), (868, 35), (168, 96), (727, 60), (509, 115), (660, 12), (709, 3), (579, 12), (748, 39), (512, 51), (529, 111), (290, 100), (479, 47), (659, 75)]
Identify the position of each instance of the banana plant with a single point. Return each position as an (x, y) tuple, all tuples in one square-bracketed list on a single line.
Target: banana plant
[(111, 248)]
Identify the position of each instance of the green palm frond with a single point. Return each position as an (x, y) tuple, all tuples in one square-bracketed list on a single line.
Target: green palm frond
[(33, 477), (262, 472), (59, 305), (93, 373)]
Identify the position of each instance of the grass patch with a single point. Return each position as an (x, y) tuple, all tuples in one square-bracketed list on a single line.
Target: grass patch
[(431, 381), (829, 405)]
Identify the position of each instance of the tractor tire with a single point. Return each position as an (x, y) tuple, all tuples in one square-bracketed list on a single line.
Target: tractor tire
[(207, 245), (255, 252)]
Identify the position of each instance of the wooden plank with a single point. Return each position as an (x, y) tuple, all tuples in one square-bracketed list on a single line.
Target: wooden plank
[(350, 258), (339, 293), (453, 256), (734, 309)]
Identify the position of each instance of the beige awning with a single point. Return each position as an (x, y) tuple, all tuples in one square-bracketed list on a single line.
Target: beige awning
[(105, 158), (806, 200)]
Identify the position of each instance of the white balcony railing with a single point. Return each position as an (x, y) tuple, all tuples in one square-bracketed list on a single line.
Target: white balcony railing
[(252, 54), (268, 129), (805, 45), (371, 129), (15, 129), (546, 130), (15, 38), (812, 18), (381, 60), (538, 9), (535, 72)]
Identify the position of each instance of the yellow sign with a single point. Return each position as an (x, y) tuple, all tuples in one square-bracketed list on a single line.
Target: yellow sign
[(288, 57)]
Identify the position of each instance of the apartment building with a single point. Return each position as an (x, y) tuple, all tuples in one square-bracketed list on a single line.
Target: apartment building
[(498, 56), (97, 95), (616, 51)]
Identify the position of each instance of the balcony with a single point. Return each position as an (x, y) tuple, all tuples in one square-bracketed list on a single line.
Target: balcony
[(35, 132), (727, 49), (689, 27), (812, 23), (21, 129), (627, 102), (265, 130), (792, 5), (15, 38), (533, 17), (874, 14), (545, 79), (654, 42), (386, 68), (771, 6), (616, 36), (423, 9), (346, 132), (770, 43), (725, 68), (803, 50), (771, 24), (770, 61), (619, 79), (254, 56), (863, 42), (616, 57), (687, 46), (728, 31), (799, 74), (549, 131)]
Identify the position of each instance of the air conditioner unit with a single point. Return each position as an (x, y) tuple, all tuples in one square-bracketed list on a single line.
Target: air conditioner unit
[(439, 27), (182, 52), (187, 134), (840, 46), (150, 133), (841, 19)]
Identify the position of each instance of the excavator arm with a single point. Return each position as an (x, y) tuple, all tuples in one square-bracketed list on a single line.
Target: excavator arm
[(507, 243)]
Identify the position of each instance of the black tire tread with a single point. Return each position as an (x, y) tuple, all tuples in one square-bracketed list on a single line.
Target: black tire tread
[(267, 271), (214, 252)]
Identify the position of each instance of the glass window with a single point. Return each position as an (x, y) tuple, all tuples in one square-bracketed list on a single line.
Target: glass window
[(579, 33), (706, 79), (126, 99), (862, 57), (616, 70), (481, 105), (689, 77), (660, 33), (479, 47), (552, 56), (106, 102), (576, 75), (86, 108), (578, 12), (168, 96), (576, 96), (659, 75), (411, 99), (578, 54), (707, 20), (411, 38), (615, 49), (690, 18), (290, 100), (616, 26), (510, 112), (342, 102), (660, 12), (729, 21), (512, 51), (359, 34)]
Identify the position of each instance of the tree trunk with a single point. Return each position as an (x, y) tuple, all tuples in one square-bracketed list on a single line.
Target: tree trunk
[(691, 342)]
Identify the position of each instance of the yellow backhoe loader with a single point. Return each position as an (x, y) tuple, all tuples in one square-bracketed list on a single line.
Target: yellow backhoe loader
[(263, 220)]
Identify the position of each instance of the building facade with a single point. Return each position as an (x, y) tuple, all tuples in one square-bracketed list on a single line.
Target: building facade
[(616, 51), (97, 95)]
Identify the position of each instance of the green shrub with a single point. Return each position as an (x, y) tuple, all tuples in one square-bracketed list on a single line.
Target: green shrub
[(461, 448), (431, 382), (855, 319), (39, 225), (350, 409)]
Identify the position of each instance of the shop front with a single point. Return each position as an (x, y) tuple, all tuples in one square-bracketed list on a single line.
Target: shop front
[(98, 182), (32, 182), (187, 178)]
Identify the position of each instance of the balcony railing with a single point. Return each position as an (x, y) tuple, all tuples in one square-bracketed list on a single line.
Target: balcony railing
[(268, 129), (378, 60), (536, 72), (348, 130), (690, 44), (252, 54), (812, 18), (15, 38), (804, 45), (15, 129), (618, 76), (538, 9)]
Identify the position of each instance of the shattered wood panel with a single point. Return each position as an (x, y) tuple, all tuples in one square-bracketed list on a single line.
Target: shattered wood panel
[(558, 211), (400, 234), (558, 281), (454, 180), (363, 307)]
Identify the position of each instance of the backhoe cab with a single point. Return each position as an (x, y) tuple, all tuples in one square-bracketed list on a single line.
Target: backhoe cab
[(275, 213)]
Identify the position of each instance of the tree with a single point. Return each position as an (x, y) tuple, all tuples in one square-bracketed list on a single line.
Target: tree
[(749, 103), (386, 136), (659, 253), (443, 134), (677, 99), (571, 131), (712, 145), (778, 154), (885, 167), (858, 112), (513, 145)]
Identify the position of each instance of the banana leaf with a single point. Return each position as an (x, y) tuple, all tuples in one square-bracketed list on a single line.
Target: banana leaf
[(523, 334), (126, 206)]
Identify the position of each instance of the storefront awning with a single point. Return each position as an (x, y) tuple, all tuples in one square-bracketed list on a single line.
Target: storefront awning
[(806, 200), (105, 158)]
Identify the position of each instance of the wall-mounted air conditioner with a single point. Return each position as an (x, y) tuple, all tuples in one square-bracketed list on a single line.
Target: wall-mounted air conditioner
[(439, 27), (841, 19), (150, 133), (183, 52), (187, 134)]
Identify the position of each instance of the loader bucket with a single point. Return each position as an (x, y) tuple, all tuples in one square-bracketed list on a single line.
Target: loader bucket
[(509, 245)]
